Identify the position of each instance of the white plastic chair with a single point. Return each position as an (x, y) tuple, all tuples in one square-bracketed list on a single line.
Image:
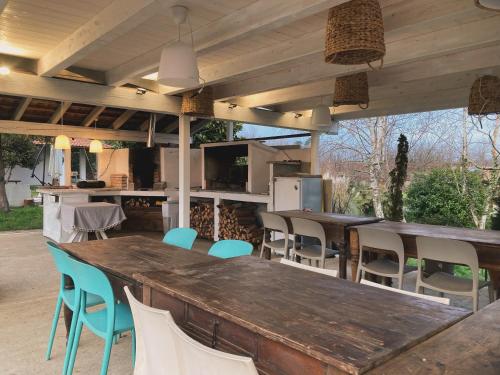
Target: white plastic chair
[(318, 253), (444, 301), (273, 222), (455, 252), (164, 349), (382, 240), (323, 271)]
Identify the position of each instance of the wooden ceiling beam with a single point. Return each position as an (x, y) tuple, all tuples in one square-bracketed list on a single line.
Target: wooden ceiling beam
[(197, 127), (118, 18), (59, 112), (400, 21), (52, 130), (257, 17), (93, 115), (123, 118), (473, 35), (20, 84), (3, 4), (21, 108), (171, 126), (488, 57)]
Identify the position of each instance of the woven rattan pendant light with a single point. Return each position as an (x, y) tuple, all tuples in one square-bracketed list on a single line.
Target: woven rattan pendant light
[(484, 96), (355, 33), (351, 90), (198, 103)]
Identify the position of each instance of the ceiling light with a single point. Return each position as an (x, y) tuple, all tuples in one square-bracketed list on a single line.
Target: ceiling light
[(178, 62), (95, 146), (297, 115), (62, 141), (489, 4), (140, 91), (4, 70), (321, 116), (232, 105)]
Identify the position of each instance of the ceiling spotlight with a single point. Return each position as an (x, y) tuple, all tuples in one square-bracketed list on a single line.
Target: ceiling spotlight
[(232, 105), (297, 115), (140, 91), (4, 70)]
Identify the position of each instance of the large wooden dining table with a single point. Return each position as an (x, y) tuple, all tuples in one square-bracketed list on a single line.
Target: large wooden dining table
[(486, 242), (336, 229), (289, 320)]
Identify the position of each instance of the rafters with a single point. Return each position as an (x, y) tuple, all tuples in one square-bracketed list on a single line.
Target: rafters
[(123, 118), (21, 108), (116, 19), (259, 16), (59, 112), (93, 115)]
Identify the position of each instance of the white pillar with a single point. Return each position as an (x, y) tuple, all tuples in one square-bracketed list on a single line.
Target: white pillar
[(315, 152), (230, 131), (67, 168), (83, 165), (184, 170)]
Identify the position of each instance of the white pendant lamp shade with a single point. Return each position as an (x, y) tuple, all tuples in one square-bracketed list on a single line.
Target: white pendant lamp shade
[(321, 116), (95, 146), (489, 4), (179, 66), (62, 142)]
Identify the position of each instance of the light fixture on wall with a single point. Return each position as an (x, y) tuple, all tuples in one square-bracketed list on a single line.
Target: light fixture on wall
[(488, 4), (62, 141), (321, 116), (95, 145), (178, 62), (4, 70)]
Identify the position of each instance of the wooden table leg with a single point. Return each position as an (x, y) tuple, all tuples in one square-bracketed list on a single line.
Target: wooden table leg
[(343, 250), (495, 279), (354, 247)]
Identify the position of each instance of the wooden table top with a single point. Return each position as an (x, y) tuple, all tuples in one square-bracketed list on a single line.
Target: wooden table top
[(350, 326), (329, 218), (490, 237), (470, 347), (125, 256)]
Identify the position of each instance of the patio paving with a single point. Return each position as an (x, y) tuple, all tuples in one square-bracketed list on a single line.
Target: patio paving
[(28, 289)]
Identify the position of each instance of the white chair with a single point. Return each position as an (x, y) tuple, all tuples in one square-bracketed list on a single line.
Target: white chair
[(323, 271), (444, 301), (164, 349), (382, 240), (455, 252), (318, 253), (273, 222)]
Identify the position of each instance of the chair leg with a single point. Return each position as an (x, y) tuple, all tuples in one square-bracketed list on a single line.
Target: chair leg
[(74, 348), (310, 262), (262, 250), (106, 354), (358, 273), (475, 302), (70, 341), (317, 263), (491, 293), (55, 319), (133, 347)]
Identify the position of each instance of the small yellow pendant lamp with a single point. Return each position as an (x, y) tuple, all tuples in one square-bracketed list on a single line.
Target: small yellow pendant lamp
[(62, 141), (95, 145)]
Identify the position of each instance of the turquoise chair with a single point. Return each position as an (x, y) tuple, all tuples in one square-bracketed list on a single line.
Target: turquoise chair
[(181, 237), (230, 249), (61, 259), (108, 322)]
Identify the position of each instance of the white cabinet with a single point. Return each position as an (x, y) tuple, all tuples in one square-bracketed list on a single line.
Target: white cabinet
[(297, 193)]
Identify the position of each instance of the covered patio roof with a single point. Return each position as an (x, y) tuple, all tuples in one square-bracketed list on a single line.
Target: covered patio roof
[(264, 56)]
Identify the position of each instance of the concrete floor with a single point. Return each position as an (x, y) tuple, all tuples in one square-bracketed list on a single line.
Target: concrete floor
[(28, 288)]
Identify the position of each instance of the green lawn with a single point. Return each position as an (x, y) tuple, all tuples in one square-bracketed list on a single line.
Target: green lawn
[(21, 218)]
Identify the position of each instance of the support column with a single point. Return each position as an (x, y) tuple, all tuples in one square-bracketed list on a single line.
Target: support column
[(82, 163), (67, 168), (230, 131), (315, 152), (184, 170)]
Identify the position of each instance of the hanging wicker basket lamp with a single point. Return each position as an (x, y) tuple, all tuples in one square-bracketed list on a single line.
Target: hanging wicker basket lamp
[(351, 90), (484, 96), (199, 104), (355, 33)]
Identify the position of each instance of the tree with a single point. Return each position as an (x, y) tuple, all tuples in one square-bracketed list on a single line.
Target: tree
[(15, 150), (397, 178), (215, 131), (432, 198)]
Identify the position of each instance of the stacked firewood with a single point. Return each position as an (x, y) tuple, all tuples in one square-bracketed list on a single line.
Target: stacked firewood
[(138, 203), (202, 219), (239, 222)]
